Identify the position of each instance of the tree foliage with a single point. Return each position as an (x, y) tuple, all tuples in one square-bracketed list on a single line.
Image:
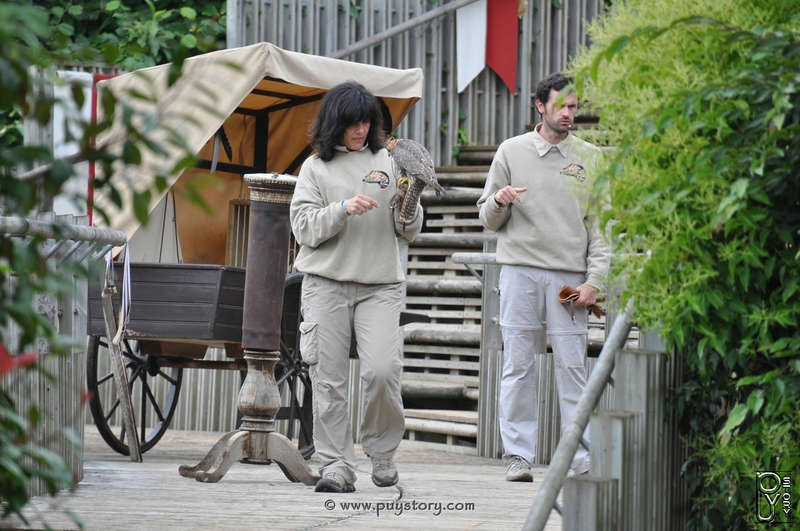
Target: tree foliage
[(134, 34), (702, 100), (29, 54)]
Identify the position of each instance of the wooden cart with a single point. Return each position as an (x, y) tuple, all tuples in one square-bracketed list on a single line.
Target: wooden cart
[(178, 311)]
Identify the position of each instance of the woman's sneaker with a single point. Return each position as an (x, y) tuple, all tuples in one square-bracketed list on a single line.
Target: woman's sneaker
[(384, 473), (517, 469), (334, 482)]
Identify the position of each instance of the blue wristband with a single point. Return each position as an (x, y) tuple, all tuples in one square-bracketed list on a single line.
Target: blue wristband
[(344, 205)]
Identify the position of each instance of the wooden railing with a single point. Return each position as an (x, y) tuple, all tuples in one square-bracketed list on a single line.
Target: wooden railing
[(59, 398)]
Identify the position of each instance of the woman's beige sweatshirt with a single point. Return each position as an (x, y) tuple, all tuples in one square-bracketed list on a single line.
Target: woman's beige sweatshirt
[(344, 247)]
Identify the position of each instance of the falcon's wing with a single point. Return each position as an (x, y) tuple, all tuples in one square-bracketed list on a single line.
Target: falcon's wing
[(414, 159)]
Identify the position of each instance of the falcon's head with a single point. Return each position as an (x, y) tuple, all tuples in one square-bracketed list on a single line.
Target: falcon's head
[(390, 143)]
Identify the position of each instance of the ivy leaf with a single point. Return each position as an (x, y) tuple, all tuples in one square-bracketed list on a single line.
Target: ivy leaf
[(189, 41), (755, 401), (161, 183), (735, 417), (649, 129), (66, 29), (759, 379), (131, 153), (77, 95), (141, 202), (739, 188), (780, 344), (110, 53), (188, 13)]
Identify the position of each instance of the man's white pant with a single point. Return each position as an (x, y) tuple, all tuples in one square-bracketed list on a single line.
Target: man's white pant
[(529, 296), (331, 310)]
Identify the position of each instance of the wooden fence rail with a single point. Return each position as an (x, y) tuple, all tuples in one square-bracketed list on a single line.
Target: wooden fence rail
[(58, 398)]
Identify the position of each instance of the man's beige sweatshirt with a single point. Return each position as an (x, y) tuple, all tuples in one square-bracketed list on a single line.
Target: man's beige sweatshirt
[(343, 247), (554, 227)]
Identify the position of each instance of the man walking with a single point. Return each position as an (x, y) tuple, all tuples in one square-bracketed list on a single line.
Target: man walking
[(538, 199)]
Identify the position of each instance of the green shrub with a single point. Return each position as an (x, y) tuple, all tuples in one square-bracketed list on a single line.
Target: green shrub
[(702, 100), (135, 34)]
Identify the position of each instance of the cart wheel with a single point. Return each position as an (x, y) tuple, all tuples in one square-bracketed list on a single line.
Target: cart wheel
[(291, 370), (154, 393)]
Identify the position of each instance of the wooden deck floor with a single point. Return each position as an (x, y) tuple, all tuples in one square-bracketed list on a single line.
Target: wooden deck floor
[(118, 494)]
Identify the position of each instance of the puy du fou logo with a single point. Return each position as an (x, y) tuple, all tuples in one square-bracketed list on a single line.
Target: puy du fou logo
[(575, 170), (377, 177)]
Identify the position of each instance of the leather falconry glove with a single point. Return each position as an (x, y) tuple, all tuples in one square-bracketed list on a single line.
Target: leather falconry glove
[(569, 295)]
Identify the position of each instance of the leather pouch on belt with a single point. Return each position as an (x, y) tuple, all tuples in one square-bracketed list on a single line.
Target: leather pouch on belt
[(568, 295)]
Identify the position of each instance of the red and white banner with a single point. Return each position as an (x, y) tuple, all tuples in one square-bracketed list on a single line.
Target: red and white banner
[(487, 34)]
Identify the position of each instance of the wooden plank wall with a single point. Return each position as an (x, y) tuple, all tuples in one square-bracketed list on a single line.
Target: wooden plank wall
[(59, 399), (485, 113)]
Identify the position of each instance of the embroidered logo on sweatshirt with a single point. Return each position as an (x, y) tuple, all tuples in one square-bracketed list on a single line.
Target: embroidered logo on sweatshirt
[(377, 177), (575, 170)]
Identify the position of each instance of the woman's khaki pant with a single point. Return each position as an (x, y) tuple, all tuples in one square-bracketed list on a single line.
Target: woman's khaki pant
[(333, 311)]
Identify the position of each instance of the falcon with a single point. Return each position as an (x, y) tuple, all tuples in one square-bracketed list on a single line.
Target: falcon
[(415, 167)]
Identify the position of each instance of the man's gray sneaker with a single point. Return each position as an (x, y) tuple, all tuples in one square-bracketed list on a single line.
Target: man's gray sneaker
[(384, 473), (582, 469), (334, 482), (518, 469)]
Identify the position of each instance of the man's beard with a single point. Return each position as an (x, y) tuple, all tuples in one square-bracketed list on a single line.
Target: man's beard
[(555, 126)]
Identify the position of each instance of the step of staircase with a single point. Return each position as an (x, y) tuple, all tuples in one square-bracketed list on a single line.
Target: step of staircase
[(476, 155), (455, 429)]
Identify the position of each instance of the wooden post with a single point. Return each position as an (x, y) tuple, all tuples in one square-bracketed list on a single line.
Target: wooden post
[(590, 503), (616, 453), (259, 400), (549, 432), (72, 376), (118, 367), (491, 363), (645, 380)]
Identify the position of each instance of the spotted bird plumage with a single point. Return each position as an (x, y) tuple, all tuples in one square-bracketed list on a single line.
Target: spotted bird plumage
[(416, 169)]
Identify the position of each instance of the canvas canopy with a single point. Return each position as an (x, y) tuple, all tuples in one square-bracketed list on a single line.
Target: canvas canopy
[(262, 97)]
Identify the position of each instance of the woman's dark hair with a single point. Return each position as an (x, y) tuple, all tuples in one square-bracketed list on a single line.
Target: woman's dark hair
[(342, 106), (386, 115)]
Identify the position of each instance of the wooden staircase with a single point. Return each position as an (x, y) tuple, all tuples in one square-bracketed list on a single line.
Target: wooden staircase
[(442, 357)]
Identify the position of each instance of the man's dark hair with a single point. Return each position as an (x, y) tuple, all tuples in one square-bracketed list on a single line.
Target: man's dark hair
[(555, 81), (344, 105)]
